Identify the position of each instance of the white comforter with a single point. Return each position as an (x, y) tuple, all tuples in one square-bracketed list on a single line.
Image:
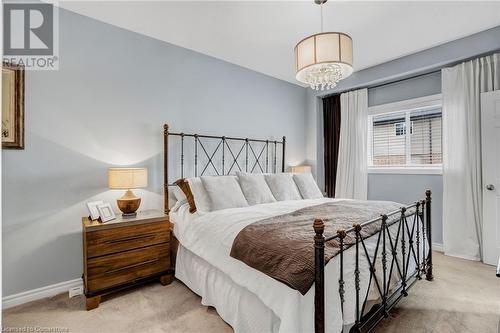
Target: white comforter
[(210, 236)]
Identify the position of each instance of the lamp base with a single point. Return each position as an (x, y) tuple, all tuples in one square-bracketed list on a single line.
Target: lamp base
[(129, 204), (129, 215)]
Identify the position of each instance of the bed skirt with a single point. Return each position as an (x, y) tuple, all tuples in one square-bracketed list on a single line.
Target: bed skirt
[(236, 305)]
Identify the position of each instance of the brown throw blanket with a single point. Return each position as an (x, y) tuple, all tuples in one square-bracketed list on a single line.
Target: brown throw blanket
[(283, 247)]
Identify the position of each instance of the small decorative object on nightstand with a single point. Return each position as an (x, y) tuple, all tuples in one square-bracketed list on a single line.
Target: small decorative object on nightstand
[(105, 212), (93, 211), (124, 253), (128, 178)]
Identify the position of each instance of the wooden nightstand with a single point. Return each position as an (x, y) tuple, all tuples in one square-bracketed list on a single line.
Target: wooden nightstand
[(125, 252)]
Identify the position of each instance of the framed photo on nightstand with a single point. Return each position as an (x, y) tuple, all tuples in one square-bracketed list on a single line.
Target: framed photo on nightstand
[(106, 213), (92, 206)]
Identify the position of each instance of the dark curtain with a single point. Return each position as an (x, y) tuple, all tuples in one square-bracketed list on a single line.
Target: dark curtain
[(331, 138)]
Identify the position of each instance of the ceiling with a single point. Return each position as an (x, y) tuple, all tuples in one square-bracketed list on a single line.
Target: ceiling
[(261, 35)]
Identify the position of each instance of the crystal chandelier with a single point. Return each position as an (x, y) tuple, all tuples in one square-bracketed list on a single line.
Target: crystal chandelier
[(323, 59)]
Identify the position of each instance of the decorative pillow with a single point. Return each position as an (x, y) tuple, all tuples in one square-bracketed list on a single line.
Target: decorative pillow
[(176, 198), (195, 193), (283, 187), (224, 192), (307, 186), (255, 188)]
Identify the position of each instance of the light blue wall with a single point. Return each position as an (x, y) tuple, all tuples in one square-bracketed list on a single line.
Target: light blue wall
[(106, 105), (425, 85)]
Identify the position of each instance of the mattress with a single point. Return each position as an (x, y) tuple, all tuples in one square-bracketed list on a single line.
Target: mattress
[(269, 305)]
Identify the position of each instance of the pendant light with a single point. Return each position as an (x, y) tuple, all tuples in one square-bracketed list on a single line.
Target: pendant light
[(323, 59)]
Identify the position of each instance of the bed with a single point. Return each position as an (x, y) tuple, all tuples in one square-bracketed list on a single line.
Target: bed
[(352, 291)]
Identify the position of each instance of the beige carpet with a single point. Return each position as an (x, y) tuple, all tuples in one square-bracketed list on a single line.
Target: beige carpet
[(465, 297)]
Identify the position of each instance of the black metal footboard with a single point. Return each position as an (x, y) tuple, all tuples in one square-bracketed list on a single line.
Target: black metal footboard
[(413, 235)]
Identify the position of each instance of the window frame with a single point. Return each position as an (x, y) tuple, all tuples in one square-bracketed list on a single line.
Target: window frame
[(413, 104)]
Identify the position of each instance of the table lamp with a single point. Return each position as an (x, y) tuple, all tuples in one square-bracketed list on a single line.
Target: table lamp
[(128, 178), (300, 169)]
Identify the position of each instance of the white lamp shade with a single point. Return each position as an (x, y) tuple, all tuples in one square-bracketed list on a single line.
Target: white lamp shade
[(127, 178)]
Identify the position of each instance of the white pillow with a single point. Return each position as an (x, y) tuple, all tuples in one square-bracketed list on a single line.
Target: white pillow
[(201, 199), (224, 192), (307, 186), (255, 188), (283, 187)]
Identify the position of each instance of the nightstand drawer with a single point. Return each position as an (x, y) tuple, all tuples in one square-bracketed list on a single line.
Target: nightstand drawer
[(107, 241), (119, 268)]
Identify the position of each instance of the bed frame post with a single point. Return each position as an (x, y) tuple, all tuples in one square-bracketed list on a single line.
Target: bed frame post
[(283, 154), (428, 200), (319, 285), (165, 168)]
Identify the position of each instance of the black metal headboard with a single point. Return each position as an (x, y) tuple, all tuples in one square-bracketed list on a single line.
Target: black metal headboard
[(220, 155)]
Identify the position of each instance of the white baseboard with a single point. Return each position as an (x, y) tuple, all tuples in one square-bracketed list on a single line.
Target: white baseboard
[(437, 247), (39, 293)]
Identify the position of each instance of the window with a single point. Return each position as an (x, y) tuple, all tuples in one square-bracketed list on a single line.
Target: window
[(390, 145), (425, 141)]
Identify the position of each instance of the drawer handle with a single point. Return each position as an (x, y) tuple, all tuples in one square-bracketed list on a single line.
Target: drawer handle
[(147, 262), (126, 239)]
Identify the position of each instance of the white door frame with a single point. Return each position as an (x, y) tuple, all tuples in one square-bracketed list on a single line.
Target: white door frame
[(490, 134)]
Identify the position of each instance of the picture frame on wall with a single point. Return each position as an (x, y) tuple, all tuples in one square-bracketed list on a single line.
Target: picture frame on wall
[(106, 213), (92, 207), (12, 106)]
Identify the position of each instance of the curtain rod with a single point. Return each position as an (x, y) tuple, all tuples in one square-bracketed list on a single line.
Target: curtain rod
[(428, 72)]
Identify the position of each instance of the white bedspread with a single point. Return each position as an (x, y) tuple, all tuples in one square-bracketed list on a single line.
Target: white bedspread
[(210, 236)]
